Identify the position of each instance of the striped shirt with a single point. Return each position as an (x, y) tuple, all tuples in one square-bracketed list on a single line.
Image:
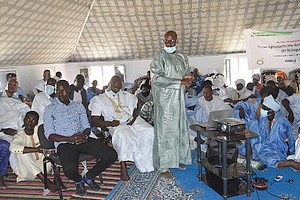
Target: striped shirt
[(65, 120)]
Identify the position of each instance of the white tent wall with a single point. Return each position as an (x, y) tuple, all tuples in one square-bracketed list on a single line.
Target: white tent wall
[(28, 75)]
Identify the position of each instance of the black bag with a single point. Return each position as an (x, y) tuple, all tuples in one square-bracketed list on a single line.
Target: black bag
[(213, 152)]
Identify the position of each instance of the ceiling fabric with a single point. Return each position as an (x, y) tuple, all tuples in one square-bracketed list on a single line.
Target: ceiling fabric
[(59, 31)]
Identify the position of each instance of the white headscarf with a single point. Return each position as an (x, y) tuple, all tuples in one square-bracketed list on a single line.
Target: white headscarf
[(256, 76), (242, 81), (271, 103), (219, 81)]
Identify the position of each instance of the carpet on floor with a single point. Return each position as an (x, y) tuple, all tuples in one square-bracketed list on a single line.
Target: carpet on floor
[(34, 189), (188, 181), (139, 186)]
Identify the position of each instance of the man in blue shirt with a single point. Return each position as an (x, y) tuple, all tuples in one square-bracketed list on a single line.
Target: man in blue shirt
[(66, 123)]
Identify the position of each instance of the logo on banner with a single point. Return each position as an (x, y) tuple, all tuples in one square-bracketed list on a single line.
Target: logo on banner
[(260, 61)]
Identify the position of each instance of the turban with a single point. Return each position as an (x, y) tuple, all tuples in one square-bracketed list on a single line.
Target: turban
[(271, 103), (219, 81), (256, 76), (281, 74), (242, 81)]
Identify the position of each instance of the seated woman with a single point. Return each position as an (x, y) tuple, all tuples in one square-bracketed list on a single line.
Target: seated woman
[(275, 137), (4, 155), (25, 146)]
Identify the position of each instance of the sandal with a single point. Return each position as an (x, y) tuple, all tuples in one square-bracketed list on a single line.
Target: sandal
[(2, 185), (182, 167)]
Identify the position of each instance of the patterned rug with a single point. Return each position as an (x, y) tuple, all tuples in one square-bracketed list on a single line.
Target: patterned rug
[(139, 186), (34, 189)]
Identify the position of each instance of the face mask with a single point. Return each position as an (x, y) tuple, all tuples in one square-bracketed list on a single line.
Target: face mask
[(49, 89), (263, 113), (112, 92), (170, 49)]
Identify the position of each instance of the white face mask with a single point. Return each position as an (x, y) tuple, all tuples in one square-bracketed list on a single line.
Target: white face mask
[(49, 89), (170, 49), (112, 92), (263, 113)]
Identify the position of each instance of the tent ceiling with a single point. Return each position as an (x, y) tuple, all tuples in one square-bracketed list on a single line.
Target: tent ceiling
[(59, 31)]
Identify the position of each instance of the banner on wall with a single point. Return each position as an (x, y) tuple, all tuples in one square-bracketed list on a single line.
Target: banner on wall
[(273, 49)]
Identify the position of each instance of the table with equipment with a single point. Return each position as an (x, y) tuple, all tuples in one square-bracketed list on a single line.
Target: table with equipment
[(227, 180)]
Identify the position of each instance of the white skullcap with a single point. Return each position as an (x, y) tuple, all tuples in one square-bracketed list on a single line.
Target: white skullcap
[(256, 76), (209, 79), (242, 81), (271, 103)]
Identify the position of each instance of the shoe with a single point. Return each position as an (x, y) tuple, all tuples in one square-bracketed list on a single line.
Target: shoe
[(93, 185), (80, 189)]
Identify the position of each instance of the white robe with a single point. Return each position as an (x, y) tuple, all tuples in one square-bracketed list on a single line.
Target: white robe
[(39, 85), (207, 106), (29, 164), (12, 113), (295, 106), (40, 102), (201, 114), (296, 156), (132, 142)]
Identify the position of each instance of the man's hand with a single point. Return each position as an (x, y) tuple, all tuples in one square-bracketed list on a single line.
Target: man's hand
[(132, 121), (241, 113), (291, 117), (191, 107), (79, 138), (187, 81), (115, 123), (9, 131)]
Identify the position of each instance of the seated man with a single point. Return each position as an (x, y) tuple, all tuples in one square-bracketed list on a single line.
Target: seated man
[(43, 99), (11, 92), (25, 146), (132, 137), (292, 161), (292, 106), (12, 113), (241, 93), (247, 110), (4, 155), (66, 123), (77, 91), (20, 92), (273, 129), (208, 103), (280, 94), (144, 96), (147, 112), (92, 91), (257, 85)]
